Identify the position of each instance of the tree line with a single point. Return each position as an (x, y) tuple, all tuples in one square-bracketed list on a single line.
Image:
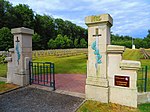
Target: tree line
[(127, 41), (50, 33), (47, 29)]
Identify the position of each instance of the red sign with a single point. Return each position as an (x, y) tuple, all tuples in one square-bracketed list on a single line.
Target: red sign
[(122, 81)]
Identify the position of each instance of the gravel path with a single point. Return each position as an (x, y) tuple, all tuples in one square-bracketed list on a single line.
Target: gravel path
[(36, 100)]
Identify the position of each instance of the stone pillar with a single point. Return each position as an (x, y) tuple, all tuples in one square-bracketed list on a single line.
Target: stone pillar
[(22, 53), (10, 66), (97, 82)]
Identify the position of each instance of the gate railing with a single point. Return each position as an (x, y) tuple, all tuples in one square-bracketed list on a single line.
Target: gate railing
[(143, 79), (42, 73)]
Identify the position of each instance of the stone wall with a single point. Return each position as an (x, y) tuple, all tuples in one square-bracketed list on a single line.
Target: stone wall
[(144, 97)]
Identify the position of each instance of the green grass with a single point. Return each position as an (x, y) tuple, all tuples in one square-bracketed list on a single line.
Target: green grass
[(94, 106), (1, 82), (136, 55), (6, 86), (144, 107), (69, 65), (3, 70), (77, 64), (130, 54)]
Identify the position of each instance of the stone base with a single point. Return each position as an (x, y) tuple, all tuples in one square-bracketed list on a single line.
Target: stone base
[(96, 93), (21, 80), (144, 97), (97, 81), (123, 96)]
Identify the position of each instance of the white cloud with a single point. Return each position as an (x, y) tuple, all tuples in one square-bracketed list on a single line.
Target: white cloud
[(129, 15)]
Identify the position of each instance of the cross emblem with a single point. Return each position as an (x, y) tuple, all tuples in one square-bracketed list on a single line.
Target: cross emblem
[(96, 33), (95, 47), (17, 40), (17, 50)]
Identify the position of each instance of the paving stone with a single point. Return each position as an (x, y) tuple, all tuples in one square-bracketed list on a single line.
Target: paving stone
[(36, 100)]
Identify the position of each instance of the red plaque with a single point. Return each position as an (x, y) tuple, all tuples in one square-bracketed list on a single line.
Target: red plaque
[(122, 81)]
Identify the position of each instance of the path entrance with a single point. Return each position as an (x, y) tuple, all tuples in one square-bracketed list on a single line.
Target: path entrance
[(42, 73), (36, 100), (71, 82)]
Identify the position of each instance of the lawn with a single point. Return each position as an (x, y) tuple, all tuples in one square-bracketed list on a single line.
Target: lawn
[(3, 70), (136, 55), (6, 86), (68, 65), (77, 64), (94, 106)]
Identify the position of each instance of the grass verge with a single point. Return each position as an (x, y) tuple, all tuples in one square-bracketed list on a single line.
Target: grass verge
[(94, 106), (6, 86), (3, 70)]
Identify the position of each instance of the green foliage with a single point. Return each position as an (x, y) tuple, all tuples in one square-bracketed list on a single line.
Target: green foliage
[(2, 58), (60, 42), (147, 40), (51, 44), (17, 16), (83, 43), (22, 16), (36, 39), (48, 29), (6, 39), (127, 41), (44, 26), (76, 43)]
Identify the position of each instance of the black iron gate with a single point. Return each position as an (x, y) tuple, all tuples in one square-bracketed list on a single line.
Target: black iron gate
[(42, 73)]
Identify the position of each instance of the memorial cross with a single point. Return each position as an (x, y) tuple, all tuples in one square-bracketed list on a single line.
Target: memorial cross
[(17, 50), (17, 40), (95, 46)]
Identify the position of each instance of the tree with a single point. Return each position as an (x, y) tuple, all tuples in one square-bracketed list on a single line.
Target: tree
[(68, 42), (147, 40), (23, 16), (76, 43), (5, 8), (52, 44), (83, 43), (44, 26), (6, 39), (36, 40), (60, 42)]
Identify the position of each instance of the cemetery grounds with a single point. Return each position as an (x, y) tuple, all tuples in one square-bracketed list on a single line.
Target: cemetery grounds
[(73, 61)]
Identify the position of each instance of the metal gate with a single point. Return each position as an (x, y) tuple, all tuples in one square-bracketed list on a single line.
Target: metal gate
[(42, 73), (143, 81)]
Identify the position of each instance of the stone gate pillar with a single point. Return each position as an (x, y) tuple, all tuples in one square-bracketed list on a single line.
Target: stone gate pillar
[(22, 55), (98, 39)]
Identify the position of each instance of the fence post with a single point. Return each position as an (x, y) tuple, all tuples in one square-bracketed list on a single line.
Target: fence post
[(145, 84), (30, 72)]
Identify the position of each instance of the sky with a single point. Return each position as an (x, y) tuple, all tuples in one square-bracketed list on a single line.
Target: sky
[(130, 17)]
